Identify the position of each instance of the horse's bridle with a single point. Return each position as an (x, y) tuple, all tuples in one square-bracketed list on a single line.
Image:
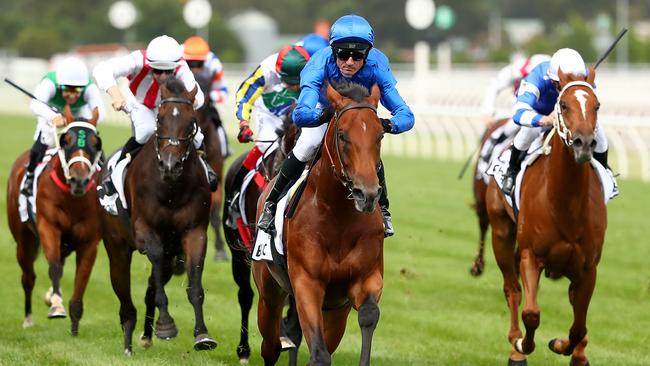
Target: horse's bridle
[(175, 141), (65, 164), (343, 177), (559, 124)]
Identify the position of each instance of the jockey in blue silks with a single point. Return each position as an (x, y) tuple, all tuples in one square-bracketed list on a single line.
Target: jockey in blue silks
[(312, 43), (535, 105), (350, 57)]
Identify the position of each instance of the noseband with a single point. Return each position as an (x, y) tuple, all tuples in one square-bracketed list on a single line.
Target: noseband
[(66, 164), (175, 141), (559, 124), (344, 178)]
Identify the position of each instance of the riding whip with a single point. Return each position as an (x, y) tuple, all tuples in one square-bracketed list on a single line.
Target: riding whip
[(30, 95), (611, 47)]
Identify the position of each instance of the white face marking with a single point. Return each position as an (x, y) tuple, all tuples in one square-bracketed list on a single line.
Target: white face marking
[(363, 125), (581, 96), (175, 112)]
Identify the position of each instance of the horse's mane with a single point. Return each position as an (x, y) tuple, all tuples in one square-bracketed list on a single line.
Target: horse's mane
[(354, 91), (175, 86)]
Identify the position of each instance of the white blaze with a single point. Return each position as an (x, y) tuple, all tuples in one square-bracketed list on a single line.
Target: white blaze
[(175, 112), (581, 96)]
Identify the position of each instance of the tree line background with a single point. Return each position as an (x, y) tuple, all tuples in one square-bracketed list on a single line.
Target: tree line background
[(39, 28)]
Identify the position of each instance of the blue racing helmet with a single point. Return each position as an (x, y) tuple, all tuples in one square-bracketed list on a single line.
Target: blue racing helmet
[(312, 43), (353, 30)]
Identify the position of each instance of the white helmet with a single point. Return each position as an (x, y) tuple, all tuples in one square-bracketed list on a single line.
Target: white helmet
[(569, 60), (72, 71), (164, 53)]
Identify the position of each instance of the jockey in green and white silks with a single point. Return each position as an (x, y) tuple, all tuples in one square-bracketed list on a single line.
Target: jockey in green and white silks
[(351, 57), (68, 85), (535, 105)]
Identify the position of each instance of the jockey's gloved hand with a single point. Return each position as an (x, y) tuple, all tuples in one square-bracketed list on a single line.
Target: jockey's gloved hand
[(245, 132), (326, 115), (387, 124)]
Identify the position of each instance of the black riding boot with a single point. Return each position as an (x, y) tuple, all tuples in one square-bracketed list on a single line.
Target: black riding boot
[(36, 154), (602, 158), (516, 156), (383, 203), (213, 178), (289, 172)]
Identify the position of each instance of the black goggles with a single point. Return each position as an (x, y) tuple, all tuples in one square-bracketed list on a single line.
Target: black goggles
[(195, 64), (158, 71), (71, 89), (345, 54)]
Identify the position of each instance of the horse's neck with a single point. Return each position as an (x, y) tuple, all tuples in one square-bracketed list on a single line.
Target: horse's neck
[(567, 181)]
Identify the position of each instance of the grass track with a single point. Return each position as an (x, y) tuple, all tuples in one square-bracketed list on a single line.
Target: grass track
[(432, 311)]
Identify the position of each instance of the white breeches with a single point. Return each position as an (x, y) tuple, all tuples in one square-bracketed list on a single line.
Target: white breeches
[(509, 129), (48, 131), (268, 126), (144, 125), (527, 135), (308, 142)]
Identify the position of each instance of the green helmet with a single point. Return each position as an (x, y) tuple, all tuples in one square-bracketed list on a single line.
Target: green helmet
[(291, 61)]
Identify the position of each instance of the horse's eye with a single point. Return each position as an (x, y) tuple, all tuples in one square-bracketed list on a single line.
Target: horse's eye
[(597, 107), (343, 136), (563, 105)]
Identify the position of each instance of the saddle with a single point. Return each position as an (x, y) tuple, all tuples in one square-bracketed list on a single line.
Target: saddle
[(27, 205)]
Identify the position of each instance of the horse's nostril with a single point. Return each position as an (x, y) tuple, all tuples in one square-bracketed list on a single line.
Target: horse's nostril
[(577, 142), (160, 163), (357, 193), (593, 144)]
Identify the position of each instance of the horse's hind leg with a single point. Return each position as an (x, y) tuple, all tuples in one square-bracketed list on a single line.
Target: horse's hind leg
[(119, 256), (483, 223), (580, 292), (269, 312), (241, 272), (26, 252), (220, 253), (291, 329), (86, 255)]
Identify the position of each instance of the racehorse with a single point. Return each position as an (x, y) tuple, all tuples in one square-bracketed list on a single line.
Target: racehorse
[(66, 220), (209, 120), (168, 199), (240, 243), (560, 227), (479, 188), (334, 241)]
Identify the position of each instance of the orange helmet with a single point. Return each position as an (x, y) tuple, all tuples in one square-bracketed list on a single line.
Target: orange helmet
[(196, 48)]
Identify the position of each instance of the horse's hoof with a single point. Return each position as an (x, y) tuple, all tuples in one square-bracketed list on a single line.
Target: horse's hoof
[(203, 342), (128, 353), (512, 362), (56, 312), (476, 270), (28, 322), (243, 361), (166, 331), (145, 342), (551, 345), (286, 343)]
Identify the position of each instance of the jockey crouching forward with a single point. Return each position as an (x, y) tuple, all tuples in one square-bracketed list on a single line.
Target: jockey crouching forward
[(351, 57), (67, 85), (146, 71), (204, 63), (535, 105), (277, 81)]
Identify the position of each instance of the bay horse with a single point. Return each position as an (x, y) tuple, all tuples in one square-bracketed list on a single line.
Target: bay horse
[(334, 241), (67, 217), (168, 198), (209, 121), (479, 188), (240, 243), (561, 224)]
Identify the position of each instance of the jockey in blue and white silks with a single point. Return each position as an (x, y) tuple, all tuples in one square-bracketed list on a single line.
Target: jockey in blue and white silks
[(352, 58), (535, 105)]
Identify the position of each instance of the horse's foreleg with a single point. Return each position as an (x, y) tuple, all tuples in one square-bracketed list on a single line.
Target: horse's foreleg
[(51, 243), (26, 252), (241, 272), (530, 272), (215, 222), (86, 255), (580, 293), (365, 298), (194, 245), (161, 272), (291, 329), (483, 223), (119, 256), (309, 297), (269, 312)]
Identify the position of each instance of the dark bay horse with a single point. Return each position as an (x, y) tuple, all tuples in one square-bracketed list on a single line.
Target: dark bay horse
[(169, 206), (479, 188), (334, 241), (209, 119), (560, 227), (240, 244), (67, 218)]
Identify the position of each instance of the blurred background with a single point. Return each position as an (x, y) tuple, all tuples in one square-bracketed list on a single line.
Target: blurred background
[(443, 53)]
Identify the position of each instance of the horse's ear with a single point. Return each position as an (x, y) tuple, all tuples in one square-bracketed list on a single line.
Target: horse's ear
[(67, 113), (334, 97), (164, 92), (95, 117), (192, 94), (591, 77), (564, 78), (374, 95)]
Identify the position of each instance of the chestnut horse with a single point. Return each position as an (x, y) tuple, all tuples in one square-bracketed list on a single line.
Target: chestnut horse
[(560, 227), (241, 247), (334, 241), (168, 199), (479, 187), (67, 218), (209, 120)]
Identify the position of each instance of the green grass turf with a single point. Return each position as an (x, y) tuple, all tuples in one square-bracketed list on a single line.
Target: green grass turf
[(432, 311)]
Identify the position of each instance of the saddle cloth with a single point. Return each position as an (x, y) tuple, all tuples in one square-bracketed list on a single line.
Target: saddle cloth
[(499, 166), (263, 241), (23, 209)]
